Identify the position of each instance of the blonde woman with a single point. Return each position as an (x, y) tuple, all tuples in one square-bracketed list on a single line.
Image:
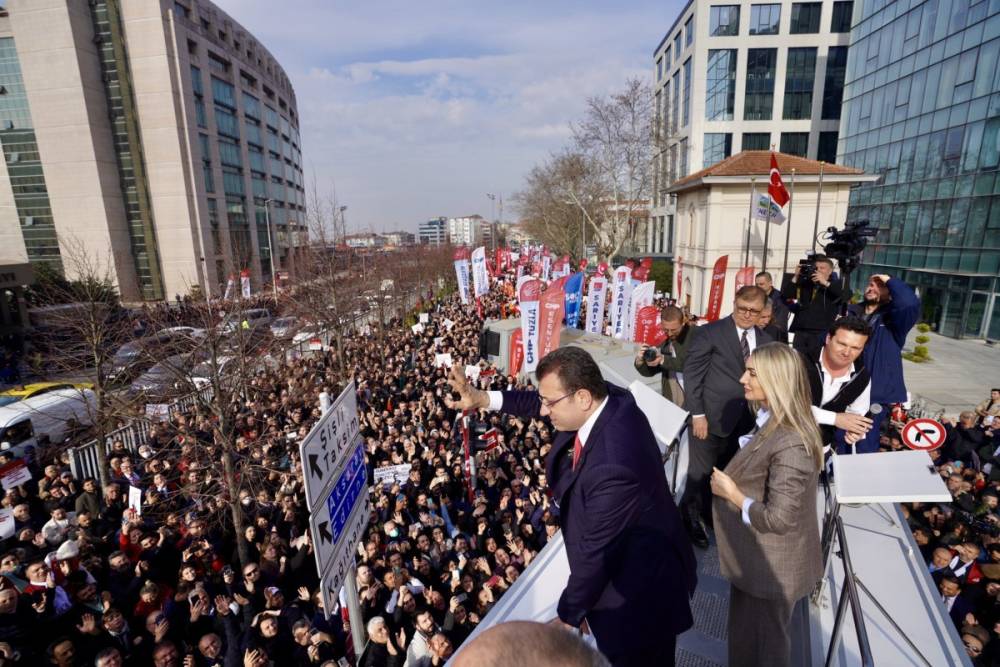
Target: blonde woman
[(765, 509)]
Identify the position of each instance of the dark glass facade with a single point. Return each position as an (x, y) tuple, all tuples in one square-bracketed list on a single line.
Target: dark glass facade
[(720, 86), (759, 101), (24, 165), (718, 146), (922, 111)]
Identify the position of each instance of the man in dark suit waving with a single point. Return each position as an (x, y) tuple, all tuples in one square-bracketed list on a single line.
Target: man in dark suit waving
[(719, 412), (632, 570)]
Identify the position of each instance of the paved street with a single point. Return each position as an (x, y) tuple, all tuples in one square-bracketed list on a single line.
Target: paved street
[(960, 375)]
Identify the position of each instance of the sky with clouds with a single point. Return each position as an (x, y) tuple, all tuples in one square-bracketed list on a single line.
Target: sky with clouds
[(414, 110)]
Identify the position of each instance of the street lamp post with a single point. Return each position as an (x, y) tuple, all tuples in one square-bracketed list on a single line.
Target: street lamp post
[(270, 247), (493, 201)]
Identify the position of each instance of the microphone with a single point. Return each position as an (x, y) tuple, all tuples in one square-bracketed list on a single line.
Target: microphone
[(874, 409)]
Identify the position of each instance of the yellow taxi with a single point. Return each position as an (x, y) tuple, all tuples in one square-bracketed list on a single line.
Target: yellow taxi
[(21, 392)]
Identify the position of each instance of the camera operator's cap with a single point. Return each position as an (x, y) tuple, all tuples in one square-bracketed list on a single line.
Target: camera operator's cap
[(271, 591)]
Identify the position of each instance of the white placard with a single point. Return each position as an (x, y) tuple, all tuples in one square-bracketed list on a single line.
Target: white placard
[(6, 523), (472, 372), (399, 474), (157, 411), (14, 474), (443, 359), (135, 501), (417, 328), (425, 318), (448, 324)]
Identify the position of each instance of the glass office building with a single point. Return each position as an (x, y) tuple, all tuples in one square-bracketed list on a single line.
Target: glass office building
[(922, 110)]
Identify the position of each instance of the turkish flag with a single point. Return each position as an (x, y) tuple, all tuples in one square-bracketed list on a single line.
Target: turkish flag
[(776, 188)]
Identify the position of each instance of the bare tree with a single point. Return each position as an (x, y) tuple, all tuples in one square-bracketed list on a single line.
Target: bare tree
[(606, 175), (85, 327)]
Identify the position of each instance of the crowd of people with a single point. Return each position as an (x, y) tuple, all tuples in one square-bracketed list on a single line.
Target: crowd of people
[(83, 580), (960, 540)]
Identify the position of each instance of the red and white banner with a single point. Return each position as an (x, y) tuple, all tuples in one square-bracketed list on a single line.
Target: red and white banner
[(520, 281), (530, 294), (621, 290), (14, 474), (462, 273), (551, 310), (718, 287), (480, 277), (245, 283), (647, 324), (546, 265), (642, 296), (516, 353), (680, 282), (596, 296), (230, 286), (744, 277)]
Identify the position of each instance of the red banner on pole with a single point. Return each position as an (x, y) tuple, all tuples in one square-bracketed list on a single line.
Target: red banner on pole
[(552, 308), (744, 277), (680, 281), (516, 353), (718, 287), (647, 323)]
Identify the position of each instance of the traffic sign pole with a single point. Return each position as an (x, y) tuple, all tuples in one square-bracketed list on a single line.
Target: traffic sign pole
[(350, 581)]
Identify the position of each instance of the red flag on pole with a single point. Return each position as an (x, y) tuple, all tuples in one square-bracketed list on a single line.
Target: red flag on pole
[(552, 308), (718, 287), (680, 279), (776, 188), (516, 354)]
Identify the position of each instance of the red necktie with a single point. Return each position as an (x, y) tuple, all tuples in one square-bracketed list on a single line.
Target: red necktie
[(577, 450)]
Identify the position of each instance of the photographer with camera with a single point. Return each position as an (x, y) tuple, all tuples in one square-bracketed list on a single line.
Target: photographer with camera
[(891, 308), (669, 359), (817, 294)]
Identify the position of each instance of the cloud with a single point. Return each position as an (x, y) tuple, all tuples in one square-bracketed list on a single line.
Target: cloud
[(416, 110)]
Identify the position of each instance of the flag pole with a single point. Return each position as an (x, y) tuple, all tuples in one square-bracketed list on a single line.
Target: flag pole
[(819, 193), (788, 229), (767, 232), (753, 189)]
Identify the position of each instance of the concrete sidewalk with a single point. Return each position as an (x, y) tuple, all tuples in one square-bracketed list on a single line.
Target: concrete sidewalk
[(960, 375)]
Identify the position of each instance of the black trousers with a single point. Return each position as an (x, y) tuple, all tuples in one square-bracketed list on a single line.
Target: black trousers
[(703, 455), (655, 655)]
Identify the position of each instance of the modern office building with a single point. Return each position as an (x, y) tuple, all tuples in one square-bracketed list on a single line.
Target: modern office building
[(736, 76), (433, 231), (157, 137), (466, 230), (922, 110)]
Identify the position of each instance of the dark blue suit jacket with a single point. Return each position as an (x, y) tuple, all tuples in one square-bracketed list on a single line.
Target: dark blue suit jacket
[(632, 569)]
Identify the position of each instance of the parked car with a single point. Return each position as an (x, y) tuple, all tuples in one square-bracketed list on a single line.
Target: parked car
[(201, 374), (46, 418), (161, 381), (285, 327), (137, 356), (252, 319), (23, 392)]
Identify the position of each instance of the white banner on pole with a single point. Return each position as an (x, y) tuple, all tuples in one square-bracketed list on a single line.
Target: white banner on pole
[(761, 205), (480, 276), (596, 295), (621, 290), (641, 296)]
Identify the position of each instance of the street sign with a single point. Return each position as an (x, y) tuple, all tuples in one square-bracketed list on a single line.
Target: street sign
[(342, 564), (326, 446), (923, 434), (330, 518)]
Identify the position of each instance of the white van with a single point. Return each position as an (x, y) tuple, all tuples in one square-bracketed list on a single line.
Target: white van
[(43, 419)]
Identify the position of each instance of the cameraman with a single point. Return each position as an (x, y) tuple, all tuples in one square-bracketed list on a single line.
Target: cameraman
[(670, 359), (891, 308), (817, 301)]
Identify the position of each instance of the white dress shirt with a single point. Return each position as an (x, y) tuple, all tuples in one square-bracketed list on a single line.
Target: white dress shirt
[(831, 387), (496, 402), (751, 341)]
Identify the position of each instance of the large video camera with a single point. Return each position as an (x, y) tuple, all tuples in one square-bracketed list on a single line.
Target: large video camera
[(846, 245)]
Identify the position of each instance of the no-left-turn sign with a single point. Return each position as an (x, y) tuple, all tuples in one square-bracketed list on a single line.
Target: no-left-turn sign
[(923, 434)]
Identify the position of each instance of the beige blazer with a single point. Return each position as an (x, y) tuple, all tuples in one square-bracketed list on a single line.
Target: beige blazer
[(778, 554)]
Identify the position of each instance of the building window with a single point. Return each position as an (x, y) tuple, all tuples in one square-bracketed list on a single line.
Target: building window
[(724, 20), (826, 151), (199, 112), (226, 123), (223, 93), (666, 59), (800, 75), (676, 99), (833, 88), (209, 178), (720, 93), (196, 80), (232, 181), (756, 141), (659, 68), (759, 101), (684, 158), (842, 11), (764, 19), (229, 153), (718, 146), (805, 17), (252, 130), (251, 106), (689, 31), (795, 143), (217, 63), (687, 91)]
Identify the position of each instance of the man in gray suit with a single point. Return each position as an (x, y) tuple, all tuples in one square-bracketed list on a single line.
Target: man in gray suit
[(715, 398)]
